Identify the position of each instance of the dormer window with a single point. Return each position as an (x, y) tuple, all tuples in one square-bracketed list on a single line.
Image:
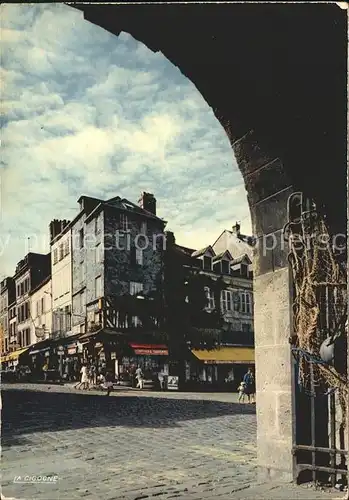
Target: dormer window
[(244, 270), (207, 263), (225, 267)]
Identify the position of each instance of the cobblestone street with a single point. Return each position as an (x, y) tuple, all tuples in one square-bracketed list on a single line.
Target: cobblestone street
[(131, 445)]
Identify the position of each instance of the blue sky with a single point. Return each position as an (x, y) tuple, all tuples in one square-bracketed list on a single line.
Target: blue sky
[(86, 112)]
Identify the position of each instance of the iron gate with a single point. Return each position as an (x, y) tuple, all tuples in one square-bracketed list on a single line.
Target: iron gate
[(319, 452)]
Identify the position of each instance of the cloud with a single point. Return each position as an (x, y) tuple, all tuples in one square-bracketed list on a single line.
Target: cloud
[(86, 112)]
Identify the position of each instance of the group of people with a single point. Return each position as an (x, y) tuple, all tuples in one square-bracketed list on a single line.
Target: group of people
[(92, 376), (247, 388)]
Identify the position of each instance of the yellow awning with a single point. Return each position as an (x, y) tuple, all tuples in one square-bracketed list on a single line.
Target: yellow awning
[(13, 355), (242, 355)]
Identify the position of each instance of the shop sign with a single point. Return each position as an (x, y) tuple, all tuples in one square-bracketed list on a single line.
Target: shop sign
[(80, 348), (72, 350), (113, 355), (151, 352), (172, 383), (47, 353)]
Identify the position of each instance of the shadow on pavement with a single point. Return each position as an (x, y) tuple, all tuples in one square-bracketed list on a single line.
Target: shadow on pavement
[(25, 412)]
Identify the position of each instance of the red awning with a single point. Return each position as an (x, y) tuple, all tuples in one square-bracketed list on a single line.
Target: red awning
[(150, 349)]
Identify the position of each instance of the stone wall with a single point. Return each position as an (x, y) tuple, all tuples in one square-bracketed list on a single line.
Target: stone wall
[(268, 189), (120, 270)]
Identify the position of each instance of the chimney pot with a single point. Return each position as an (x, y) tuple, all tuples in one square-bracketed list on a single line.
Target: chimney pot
[(147, 201), (236, 228)]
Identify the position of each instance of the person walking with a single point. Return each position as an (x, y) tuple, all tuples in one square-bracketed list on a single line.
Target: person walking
[(140, 378), (250, 384), (84, 378), (45, 370), (241, 390), (161, 377), (108, 382)]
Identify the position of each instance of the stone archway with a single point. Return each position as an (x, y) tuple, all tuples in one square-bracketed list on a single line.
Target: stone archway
[(279, 92)]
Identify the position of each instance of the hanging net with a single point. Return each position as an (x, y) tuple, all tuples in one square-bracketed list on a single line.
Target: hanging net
[(320, 305)]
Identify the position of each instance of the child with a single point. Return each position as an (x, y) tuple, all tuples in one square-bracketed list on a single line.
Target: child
[(241, 390)]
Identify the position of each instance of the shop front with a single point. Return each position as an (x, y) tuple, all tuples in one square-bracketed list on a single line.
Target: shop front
[(219, 369), (151, 358)]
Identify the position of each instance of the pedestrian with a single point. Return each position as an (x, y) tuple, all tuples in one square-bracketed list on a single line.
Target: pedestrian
[(250, 388), (84, 378), (45, 370), (91, 375), (140, 378), (161, 377), (241, 390), (108, 382)]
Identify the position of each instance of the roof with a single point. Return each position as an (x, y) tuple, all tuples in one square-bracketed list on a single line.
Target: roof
[(41, 284), (199, 253), (241, 259), (183, 250), (123, 204), (235, 245), (223, 254)]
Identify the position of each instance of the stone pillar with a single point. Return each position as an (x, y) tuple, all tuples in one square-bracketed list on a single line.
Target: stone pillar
[(268, 189)]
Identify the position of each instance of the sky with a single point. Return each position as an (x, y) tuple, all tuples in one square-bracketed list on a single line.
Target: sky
[(85, 112)]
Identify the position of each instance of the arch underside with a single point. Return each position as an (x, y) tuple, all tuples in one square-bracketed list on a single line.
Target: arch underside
[(275, 76), (274, 69)]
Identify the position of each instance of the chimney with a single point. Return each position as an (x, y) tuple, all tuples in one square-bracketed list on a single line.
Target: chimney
[(56, 227), (236, 229), (170, 239), (148, 202)]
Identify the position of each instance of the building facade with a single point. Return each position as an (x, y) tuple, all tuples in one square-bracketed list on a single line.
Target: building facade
[(117, 251), (61, 272), (41, 311), (228, 286), (30, 272), (7, 297)]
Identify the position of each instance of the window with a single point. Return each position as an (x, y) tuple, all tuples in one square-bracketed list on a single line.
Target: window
[(26, 336), (26, 285), (61, 251), (96, 225), (98, 256), (66, 248), (226, 300), (139, 256), (136, 321), (207, 263), (22, 288), (98, 287), (246, 303), (143, 228), (123, 222), (210, 298), (38, 313), (225, 267), (18, 291), (67, 317), (244, 270), (42, 305), (26, 310), (81, 237), (55, 256), (135, 288)]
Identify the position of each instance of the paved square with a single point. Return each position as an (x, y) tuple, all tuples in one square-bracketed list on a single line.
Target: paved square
[(130, 446)]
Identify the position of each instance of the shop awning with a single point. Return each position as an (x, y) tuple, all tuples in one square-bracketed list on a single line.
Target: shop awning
[(225, 355), (150, 349), (13, 356)]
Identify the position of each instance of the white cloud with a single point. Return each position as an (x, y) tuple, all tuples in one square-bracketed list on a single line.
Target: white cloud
[(87, 112)]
